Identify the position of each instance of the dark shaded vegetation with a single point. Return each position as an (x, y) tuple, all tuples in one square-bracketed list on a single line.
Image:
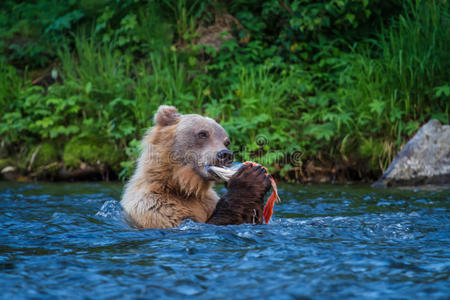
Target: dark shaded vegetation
[(315, 90)]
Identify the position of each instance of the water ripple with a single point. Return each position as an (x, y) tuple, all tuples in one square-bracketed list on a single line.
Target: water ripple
[(71, 241)]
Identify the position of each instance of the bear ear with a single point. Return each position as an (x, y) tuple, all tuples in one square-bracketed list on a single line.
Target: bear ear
[(166, 115)]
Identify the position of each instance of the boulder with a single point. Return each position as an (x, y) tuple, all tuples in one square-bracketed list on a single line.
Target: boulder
[(425, 159)]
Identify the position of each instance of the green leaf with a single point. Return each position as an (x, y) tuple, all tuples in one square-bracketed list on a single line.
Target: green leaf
[(377, 107), (88, 88)]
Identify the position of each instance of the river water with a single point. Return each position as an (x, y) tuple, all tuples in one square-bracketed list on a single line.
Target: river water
[(69, 241)]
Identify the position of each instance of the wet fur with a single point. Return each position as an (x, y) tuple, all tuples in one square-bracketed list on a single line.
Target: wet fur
[(164, 190)]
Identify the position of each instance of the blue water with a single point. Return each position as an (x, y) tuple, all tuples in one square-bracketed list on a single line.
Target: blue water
[(339, 242)]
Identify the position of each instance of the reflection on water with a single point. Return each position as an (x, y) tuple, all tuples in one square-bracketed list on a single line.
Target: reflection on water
[(70, 241)]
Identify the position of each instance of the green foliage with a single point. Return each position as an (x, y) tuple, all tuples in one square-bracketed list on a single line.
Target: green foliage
[(402, 82), (29, 30), (10, 84), (92, 150), (43, 155), (253, 111), (337, 82), (128, 166), (4, 162)]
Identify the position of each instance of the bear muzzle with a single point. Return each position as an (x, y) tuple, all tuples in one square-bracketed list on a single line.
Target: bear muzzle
[(225, 157)]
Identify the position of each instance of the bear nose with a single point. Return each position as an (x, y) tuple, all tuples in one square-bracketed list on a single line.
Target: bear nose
[(225, 157)]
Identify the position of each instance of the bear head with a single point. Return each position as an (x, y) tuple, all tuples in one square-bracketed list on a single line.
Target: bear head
[(190, 142)]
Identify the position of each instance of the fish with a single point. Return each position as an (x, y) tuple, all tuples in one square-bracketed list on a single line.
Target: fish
[(225, 173)]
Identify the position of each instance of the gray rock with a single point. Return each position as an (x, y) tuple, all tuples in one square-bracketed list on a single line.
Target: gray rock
[(425, 159), (9, 173), (8, 169)]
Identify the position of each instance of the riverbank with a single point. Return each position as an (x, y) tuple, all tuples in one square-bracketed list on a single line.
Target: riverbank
[(315, 92), (56, 171)]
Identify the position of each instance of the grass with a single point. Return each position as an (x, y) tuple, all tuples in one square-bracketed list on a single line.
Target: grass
[(351, 107)]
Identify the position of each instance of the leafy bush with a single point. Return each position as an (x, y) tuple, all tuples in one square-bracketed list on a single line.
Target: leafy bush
[(334, 84)]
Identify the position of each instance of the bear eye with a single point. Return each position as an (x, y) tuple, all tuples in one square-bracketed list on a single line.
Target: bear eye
[(227, 143), (203, 134)]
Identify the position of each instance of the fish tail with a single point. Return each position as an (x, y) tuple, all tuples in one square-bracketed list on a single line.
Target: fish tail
[(268, 209)]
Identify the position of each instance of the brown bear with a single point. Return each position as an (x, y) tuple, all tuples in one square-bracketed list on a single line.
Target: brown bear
[(172, 183)]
